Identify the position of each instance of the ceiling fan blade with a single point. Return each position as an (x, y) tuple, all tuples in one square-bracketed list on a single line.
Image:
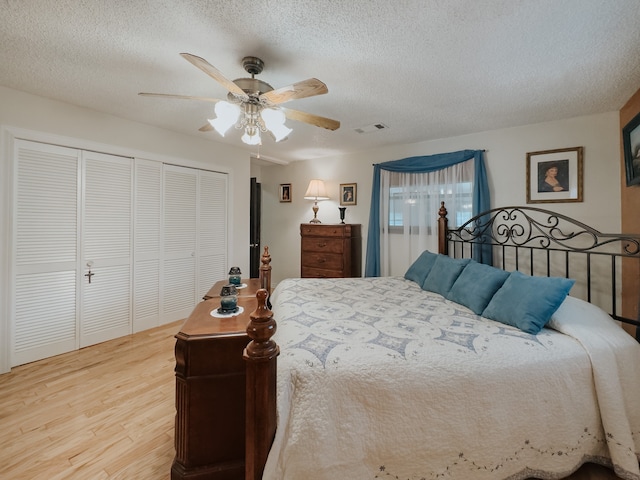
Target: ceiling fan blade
[(206, 127), (306, 88), (311, 119), (214, 73), (183, 97)]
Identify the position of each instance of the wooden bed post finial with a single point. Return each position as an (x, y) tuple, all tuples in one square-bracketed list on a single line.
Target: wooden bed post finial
[(443, 211), (443, 225), (265, 270), (261, 328), (260, 355)]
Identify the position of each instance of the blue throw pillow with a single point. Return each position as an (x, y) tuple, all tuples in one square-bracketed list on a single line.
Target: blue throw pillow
[(419, 270), (476, 286), (528, 302), (443, 274)]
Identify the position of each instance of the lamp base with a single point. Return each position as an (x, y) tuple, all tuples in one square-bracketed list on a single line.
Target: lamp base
[(315, 213)]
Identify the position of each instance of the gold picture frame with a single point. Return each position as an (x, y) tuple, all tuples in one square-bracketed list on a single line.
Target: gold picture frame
[(285, 193), (348, 194), (555, 176)]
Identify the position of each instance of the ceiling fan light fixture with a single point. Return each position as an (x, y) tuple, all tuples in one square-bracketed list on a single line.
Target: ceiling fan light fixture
[(251, 136), (226, 116), (274, 119), (280, 132), (219, 125), (253, 105)]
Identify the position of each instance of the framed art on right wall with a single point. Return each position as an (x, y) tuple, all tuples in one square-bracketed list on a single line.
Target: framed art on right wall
[(555, 175), (631, 147)]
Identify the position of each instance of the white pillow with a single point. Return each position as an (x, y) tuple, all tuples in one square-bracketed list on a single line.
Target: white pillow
[(576, 312)]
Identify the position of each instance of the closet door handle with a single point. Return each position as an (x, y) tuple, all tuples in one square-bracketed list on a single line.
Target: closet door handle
[(89, 274)]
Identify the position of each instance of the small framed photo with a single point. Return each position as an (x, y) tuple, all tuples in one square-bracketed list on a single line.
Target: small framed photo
[(555, 175), (285, 192), (348, 193), (631, 147)]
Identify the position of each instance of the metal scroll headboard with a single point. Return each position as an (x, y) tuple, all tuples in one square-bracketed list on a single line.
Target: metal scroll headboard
[(541, 242)]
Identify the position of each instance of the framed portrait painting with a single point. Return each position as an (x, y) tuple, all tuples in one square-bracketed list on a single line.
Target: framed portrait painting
[(348, 193), (285, 192), (631, 147), (555, 175)]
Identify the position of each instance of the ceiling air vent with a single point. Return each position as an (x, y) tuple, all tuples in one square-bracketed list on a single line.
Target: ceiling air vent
[(374, 127)]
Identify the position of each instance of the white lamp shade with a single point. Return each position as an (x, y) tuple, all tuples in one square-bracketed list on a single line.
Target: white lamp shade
[(274, 121), (227, 114), (219, 125), (251, 139), (316, 191), (280, 132), (272, 117)]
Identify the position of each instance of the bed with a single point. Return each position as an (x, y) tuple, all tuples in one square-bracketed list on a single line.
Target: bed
[(407, 378)]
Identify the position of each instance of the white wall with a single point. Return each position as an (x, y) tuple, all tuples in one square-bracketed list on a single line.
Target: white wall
[(43, 119), (505, 159)]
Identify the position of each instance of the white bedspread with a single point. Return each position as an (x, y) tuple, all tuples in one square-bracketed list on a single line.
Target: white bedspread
[(380, 379)]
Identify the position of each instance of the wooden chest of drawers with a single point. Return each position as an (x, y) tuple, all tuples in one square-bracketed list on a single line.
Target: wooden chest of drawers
[(330, 250)]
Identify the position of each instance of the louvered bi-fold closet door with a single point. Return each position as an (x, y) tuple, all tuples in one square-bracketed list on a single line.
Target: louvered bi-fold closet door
[(180, 236), (45, 239), (106, 248), (147, 228), (195, 231), (212, 231)]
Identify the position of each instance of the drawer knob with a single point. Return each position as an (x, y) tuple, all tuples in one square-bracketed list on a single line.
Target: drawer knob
[(322, 260), (322, 244)]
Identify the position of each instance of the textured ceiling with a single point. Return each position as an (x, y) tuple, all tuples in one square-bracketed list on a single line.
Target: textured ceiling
[(426, 68)]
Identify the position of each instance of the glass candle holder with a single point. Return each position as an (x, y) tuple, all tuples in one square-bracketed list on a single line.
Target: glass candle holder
[(228, 298), (235, 277)]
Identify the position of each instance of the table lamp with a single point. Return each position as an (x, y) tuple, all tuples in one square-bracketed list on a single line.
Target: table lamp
[(316, 191)]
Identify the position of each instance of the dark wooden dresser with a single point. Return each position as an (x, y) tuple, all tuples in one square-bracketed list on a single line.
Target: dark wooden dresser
[(210, 378), (330, 250)]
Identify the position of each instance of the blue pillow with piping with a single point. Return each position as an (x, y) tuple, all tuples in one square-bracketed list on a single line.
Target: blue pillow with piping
[(475, 286), (419, 269), (443, 274), (528, 302)]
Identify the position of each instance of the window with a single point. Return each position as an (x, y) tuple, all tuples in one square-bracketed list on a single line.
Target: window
[(409, 211), (406, 198), (408, 204)]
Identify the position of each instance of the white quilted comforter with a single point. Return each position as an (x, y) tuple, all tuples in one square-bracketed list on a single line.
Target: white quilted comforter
[(379, 379)]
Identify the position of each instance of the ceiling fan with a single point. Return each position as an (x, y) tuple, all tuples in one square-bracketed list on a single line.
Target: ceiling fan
[(253, 105)]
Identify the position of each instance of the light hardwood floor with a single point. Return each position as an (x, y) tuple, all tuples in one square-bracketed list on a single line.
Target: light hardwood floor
[(103, 412)]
